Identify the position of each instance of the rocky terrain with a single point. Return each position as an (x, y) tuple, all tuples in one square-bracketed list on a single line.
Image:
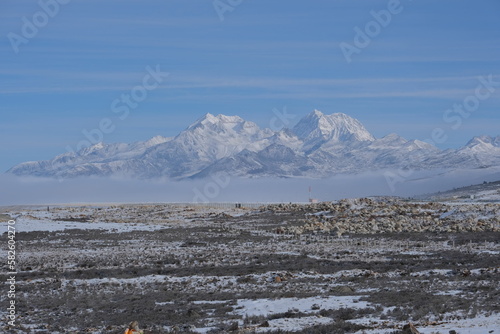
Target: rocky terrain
[(484, 192), (372, 216), (369, 265)]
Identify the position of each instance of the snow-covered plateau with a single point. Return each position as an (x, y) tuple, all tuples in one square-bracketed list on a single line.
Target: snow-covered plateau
[(368, 265)]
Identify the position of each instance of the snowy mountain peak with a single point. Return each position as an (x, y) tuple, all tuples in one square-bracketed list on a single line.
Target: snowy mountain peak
[(394, 137), (416, 144), (207, 118), (317, 113), (222, 126), (317, 127), (157, 140), (483, 145), (222, 123), (220, 118), (484, 141), (92, 149), (392, 140)]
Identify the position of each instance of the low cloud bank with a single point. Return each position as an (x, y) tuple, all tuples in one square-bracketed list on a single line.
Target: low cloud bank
[(223, 188)]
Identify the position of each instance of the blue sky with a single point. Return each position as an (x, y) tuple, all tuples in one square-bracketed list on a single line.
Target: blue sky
[(263, 55)]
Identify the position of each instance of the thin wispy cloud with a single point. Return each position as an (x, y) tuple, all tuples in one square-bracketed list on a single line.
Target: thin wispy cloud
[(366, 86)]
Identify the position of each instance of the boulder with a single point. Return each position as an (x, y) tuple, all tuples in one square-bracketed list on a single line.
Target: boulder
[(264, 324), (410, 329)]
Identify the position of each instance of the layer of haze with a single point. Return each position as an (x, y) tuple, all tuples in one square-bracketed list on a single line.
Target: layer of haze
[(20, 191)]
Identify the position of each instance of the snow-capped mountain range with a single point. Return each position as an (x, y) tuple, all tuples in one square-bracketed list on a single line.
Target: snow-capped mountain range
[(318, 146)]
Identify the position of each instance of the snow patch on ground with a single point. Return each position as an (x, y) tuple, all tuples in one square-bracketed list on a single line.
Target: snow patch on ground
[(294, 324), (272, 306), (478, 325), (31, 225)]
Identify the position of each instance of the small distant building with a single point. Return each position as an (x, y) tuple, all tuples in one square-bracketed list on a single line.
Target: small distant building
[(312, 200)]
